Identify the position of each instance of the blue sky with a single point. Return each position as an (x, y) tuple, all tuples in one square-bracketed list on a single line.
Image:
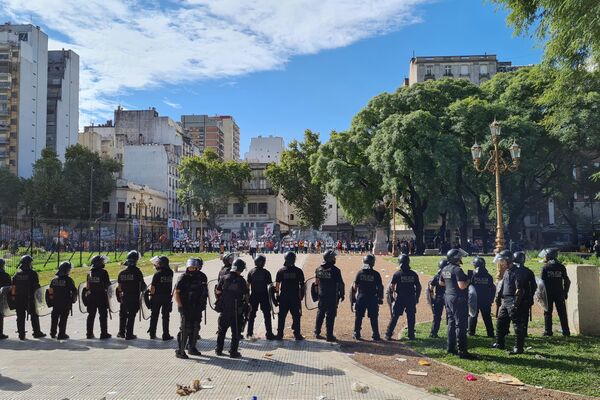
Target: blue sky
[(277, 68)]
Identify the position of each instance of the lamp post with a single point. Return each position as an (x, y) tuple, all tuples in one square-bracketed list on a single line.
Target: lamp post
[(497, 165), (141, 204), (202, 215)]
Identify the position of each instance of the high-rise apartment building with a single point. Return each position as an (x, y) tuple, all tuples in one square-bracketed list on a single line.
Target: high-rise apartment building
[(62, 118), (475, 68), (23, 96), (219, 133)]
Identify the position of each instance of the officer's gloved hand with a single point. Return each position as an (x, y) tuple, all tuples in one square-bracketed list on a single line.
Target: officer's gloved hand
[(380, 301), (566, 296), (180, 309)]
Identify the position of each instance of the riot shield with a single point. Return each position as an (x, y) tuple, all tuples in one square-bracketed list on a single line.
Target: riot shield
[(389, 298), (82, 291), (39, 300), (113, 304), (311, 297), (472, 301), (212, 297), (273, 300), (429, 296), (4, 301), (145, 310), (541, 295)]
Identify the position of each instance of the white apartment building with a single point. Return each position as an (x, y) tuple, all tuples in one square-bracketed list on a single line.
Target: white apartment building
[(265, 149)]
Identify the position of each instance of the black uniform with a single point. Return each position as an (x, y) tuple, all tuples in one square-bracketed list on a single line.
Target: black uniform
[(161, 301), (193, 293), (64, 293), (529, 277), (513, 298), (234, 292), (437, 303), (132, 284), (291, 292), (331, 291), (369, 296), (259, 279), (408, 290), (457, 308), (554, 275), (4, 281), (26, 282), (486, 290), (97, 300)]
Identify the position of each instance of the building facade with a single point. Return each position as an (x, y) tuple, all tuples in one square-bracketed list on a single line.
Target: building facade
[(219, 133), (62, 117), (23, 96), (474, 68), (265, 149), (130, 200)]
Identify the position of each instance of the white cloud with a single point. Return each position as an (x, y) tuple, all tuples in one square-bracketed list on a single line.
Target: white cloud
[(136, 44), (172, 104)]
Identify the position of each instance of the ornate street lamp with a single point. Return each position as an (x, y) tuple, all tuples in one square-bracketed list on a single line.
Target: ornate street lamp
[(141, 204), (202, 214), (497, 165)]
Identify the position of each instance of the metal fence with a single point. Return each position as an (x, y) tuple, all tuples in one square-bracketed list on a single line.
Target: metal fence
[(51, 241)]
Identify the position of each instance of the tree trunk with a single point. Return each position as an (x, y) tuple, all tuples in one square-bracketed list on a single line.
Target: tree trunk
[(463, 223), (418, 230), (482, 216), (443, 228)]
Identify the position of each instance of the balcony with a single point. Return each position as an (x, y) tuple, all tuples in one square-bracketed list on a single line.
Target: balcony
[(259, 192), (429, 77)]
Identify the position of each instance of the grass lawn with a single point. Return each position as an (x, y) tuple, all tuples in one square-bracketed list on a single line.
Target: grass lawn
[(570, 364), (79, 274)]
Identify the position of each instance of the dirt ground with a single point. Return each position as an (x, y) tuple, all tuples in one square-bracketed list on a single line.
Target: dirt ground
[(381, 356)]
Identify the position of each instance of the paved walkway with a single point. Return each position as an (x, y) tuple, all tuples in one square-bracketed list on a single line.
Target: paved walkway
[(147, 369)]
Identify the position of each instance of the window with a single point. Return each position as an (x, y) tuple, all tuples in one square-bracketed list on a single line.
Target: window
[(262, 208), (483, 69), (448, 70), (291, 217), (23, 37), (252, 208), (429, 70), (121, 209), (262, 183), (105, 207), (238, 208), (464, 70)]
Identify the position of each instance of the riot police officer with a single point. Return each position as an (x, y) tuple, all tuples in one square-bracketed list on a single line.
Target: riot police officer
[(24, 284), (554, 275), (407, 288), (227, 261), (97, 297), (62, 293), (519, 261), (4, 281), (232, 292), (483, 283), (289, 286), (258, 281), (437, 299), (368, 291), (456, 301), (191, 294), (131, 284), (331, 289), (513, 300), (160, 296)]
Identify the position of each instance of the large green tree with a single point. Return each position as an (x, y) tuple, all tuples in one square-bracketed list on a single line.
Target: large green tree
[(83, 170), (207, 182), (45, 190), (291, 176), (570, 29), (12, 191)]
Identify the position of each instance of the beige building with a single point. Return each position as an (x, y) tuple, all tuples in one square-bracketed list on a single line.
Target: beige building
[(475, 68), (130, 200), (219, 133)]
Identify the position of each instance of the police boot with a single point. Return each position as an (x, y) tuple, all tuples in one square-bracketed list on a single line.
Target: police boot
[(180, 352), (165, 326), (269, 329), (35, 325), (62, 328), (122, 323), (129, 328), (2, 335), (53, 325), (516, 351), (498, 345), (375, 329), (104, 329), (192, 345), (152, 328)]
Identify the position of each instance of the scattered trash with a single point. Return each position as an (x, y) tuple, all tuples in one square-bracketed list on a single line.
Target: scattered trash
[(72, 377), (400, 359), (111, 392), (194, 387), (471, 378), (293, 383), (451, 394), (196, 384), (539, 387), (321, 398), (424, 363), (268, 354), (528, 348), (539, 357), (503, 378), (360, 387), (523, 388), (417, 373)]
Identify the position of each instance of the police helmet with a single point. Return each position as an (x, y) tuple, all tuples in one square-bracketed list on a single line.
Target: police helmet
[(519, 257), (504, 255), (442, 263), (290, 258), (260, 261), (98, 261), (404, 260), (548, 254), (454, 256), (228, 258), (133, 255), (479, 262), (26, 259), (238, 265), (369, 260), (329, 256), (64, 268), (2, 262), (194, 263)]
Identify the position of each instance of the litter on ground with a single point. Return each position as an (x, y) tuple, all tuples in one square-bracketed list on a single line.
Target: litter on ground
[(360, 387), (400, 359), (417, 373), (424, 363), (504, 379), (471, 378)]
